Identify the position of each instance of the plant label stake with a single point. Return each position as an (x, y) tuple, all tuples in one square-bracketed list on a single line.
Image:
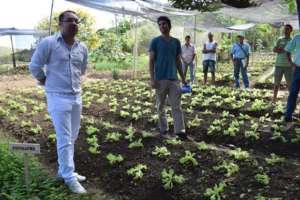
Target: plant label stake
[(25, 148)]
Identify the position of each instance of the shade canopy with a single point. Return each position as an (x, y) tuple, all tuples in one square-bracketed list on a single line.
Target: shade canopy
[(273, 11), (14, 31)]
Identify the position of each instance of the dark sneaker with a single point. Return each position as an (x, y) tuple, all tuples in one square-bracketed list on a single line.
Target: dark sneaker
[(182, 135), (163, 133), (289, 125), (286, 119)]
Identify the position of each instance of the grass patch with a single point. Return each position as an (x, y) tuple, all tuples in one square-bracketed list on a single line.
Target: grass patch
[(8, 69), (109, 66), (5, 68), (142, 62)]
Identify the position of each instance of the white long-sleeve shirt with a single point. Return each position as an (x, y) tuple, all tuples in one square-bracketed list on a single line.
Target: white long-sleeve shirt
[(64, 65)]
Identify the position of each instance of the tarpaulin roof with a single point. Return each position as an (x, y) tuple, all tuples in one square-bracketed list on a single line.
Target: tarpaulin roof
[(269, 11), (209, 22), (241, 27), (146, 9), (14, 31)]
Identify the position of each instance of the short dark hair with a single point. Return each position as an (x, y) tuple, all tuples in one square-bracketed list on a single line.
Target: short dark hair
[(290, 26), (62, 15), (166, 19), (188, 37)]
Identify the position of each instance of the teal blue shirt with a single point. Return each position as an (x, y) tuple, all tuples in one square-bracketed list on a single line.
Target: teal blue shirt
[(237, 51), (165, 55), (294, 46), (281, 58)]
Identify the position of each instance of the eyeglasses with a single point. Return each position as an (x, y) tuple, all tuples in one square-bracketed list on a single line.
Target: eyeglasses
[(71, 20)]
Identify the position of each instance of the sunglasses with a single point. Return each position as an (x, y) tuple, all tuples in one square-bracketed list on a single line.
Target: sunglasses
[(71, 20)]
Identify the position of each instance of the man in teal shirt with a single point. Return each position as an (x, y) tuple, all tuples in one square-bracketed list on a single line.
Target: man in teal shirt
[(282, 65), (293, 46), (164, 63)]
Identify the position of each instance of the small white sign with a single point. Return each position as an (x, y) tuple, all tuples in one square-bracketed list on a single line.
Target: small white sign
[(25, 148)]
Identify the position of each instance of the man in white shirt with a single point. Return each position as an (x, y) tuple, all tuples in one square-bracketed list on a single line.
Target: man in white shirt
[(188, 58), (209, 58), (65, 59)]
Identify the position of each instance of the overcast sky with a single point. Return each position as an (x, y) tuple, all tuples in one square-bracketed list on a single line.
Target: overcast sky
[(27, 13)]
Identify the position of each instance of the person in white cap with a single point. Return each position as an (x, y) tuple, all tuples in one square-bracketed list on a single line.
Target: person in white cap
[(240, 52)]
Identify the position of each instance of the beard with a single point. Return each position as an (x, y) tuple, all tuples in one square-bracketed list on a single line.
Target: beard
[(164, 30), (73, 30)]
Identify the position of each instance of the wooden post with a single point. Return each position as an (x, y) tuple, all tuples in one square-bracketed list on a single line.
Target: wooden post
[(26, 170), (25, 148)]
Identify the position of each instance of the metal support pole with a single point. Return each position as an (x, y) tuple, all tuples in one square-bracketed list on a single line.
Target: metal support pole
[(50, 18), (253, 46), (195, 41), (116, 24), (117, 43), (13, 52), (195, 26), (298, 9), (135, 53)]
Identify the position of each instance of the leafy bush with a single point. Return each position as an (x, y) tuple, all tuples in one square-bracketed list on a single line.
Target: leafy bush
[(215, 192), (137, 172), (169, 178), (114, 159), (41, 186)]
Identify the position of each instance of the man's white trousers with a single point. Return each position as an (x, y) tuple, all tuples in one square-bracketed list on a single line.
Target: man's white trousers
[(65, 112)]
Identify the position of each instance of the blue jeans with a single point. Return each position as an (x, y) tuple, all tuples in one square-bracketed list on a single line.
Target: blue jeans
[(65, 111), (238, 66), (192, 70), (294, 90)]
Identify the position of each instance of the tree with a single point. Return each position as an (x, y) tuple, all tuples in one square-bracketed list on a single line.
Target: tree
[(204, 5), (113, 47), (292, 5), (211, 5), (86, 32)]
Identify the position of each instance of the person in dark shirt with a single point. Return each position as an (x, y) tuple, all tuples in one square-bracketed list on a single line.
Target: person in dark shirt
[(164, 63)]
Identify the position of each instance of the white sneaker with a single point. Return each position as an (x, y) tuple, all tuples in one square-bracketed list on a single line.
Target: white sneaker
[(76, 187), (78, 177)]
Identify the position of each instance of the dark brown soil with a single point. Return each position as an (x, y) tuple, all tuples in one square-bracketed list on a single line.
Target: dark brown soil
[(284, 177)]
